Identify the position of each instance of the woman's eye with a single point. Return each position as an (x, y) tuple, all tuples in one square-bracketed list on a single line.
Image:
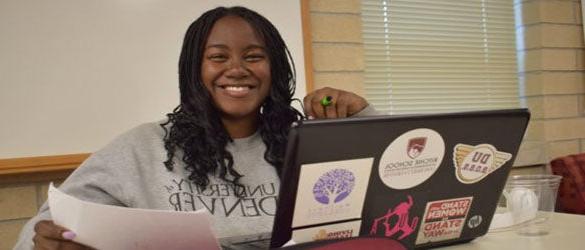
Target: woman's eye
[(217, 57), (255, 57)]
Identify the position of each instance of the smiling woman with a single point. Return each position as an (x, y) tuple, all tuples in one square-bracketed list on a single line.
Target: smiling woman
[(236, 82), (236, 72)]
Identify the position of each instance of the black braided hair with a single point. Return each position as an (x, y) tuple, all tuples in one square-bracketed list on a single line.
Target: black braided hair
[(196, 129)]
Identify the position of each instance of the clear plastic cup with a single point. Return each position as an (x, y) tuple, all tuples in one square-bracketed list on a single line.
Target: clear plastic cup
[(530, 200)]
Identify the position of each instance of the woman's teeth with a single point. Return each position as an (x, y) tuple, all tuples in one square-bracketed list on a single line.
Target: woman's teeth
[(237, 88)]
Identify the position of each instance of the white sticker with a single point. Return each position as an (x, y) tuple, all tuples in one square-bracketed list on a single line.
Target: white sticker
[(473, 163), (331, 191), (328, 232), (443, 220), (412, 158)]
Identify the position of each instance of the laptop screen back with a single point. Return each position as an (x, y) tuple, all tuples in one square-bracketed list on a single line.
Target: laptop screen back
[(422, 180)]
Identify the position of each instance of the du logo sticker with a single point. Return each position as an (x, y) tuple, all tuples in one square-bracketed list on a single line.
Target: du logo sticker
[(473, 163)]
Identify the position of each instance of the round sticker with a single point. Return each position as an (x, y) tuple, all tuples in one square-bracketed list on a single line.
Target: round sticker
[(412, 158), (474, 221)]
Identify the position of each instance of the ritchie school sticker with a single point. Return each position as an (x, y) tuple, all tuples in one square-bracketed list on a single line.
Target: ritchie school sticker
[(473, 163), (412, 158)]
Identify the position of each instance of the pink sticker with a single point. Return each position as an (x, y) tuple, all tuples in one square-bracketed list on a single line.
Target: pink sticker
[(402, 223)]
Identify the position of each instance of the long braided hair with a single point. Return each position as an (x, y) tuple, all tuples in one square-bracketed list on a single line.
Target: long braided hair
[(196, 129)]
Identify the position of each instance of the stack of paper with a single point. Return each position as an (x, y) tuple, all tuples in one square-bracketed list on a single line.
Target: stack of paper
[(112, 227)]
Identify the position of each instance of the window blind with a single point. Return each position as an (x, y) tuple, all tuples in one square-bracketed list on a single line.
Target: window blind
[(430, 56)]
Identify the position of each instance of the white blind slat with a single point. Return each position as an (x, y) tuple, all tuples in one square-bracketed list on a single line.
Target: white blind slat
[(427, 56)]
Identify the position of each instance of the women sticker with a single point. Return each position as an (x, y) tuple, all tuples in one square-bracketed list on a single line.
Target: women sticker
[(443, 220), (412, 158)]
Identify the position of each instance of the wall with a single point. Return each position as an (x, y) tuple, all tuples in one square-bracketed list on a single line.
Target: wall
[(337, 44), (75, 74), (551, 51), (17, 204)]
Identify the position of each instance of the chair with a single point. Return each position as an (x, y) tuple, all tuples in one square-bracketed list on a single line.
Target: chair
[(571, 196)]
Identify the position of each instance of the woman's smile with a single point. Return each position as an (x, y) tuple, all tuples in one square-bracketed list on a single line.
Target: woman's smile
[(236, 69), (237, 90)]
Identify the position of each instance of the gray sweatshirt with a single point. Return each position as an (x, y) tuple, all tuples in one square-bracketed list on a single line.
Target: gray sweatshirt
[(130, 172)]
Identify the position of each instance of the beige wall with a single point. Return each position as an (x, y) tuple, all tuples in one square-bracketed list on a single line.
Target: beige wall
[(337, 44), (553, 73), (553, 76), (18, 202)]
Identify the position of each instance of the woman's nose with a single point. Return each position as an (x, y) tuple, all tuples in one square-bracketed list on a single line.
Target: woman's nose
[(237, 69)]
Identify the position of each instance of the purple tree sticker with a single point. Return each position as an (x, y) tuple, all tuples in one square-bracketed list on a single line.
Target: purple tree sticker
[(334, 185)]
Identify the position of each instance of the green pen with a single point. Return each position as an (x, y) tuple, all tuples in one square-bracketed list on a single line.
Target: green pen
[(326, 101)]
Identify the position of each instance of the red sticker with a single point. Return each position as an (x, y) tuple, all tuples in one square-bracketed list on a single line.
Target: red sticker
[(443, 220)]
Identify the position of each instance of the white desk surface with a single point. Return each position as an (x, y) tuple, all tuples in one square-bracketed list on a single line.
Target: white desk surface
[(567, 232)]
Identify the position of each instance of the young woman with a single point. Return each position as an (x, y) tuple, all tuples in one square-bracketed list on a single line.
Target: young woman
[(221, 149)]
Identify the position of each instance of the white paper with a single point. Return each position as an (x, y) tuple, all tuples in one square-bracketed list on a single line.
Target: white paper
[(289, 243), (112, 227)]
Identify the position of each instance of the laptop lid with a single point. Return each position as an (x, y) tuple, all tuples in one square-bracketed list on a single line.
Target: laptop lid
[(423, 180)]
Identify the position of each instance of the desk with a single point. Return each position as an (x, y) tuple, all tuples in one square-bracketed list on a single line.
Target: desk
[(568, 232)]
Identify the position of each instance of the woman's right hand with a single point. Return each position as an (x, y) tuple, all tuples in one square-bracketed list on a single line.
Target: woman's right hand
[(51, 236)]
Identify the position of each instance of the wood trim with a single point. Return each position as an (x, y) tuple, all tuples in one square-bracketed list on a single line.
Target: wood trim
[(41, 164), (307, 45)]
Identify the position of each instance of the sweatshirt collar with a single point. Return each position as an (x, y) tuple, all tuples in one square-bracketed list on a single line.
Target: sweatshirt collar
[(246, 143)]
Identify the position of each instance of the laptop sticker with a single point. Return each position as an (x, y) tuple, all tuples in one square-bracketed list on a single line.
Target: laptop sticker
[(474, 221), (443, 220), (412, 158), (328, 232), (397, 221), (473, 163), (331, 191)]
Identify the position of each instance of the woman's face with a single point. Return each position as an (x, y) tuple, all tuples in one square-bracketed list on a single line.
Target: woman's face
[(236, 68)]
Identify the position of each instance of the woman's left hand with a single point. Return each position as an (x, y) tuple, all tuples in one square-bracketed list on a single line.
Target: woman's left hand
[(343, 103)]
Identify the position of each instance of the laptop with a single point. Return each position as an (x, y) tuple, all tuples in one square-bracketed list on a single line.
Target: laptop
[(420, 180)]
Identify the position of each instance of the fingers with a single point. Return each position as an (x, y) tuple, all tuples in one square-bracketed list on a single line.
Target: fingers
[(312, 103), (343, 104), (46, 243), (330, 110), (308, 105), (51, 236), (48, 229)]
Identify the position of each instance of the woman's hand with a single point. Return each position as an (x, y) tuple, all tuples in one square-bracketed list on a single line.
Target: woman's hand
[(51, 236), (343, 103)]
